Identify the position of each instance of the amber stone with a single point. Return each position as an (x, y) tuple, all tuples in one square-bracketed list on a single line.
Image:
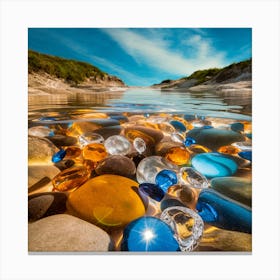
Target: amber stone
[(186, 194), (94, 152), (70, 179), (231, 150), (79, 128), (109, 201), (178, 155), (198, 149), (72, 152)]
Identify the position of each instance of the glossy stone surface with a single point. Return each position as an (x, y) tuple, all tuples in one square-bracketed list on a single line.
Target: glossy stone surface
[(166, 178), (222, 212), (70, 178), (178, 155), (149, 234), (110, 201), (62, 140), (139, 144), (214, 138), (238, 127), (58, 156), (65, 233), (239, 189), (246, 154), (229, 149), (189, 141), (149, 167), (41, 205), (191, 177), (244, 146), (118, 165), (90, 137), (40, 131), (108, 131), (79, 128), (94, 152), (72, 152), (163, 147), (214, 165), (198, 149), (179, 126), (177, 137), (187, 225), (40, 150), (117, 145), (152, 190), (184, 193)]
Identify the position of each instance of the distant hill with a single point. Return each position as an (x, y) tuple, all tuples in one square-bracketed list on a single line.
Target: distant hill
[(70, 71), (236, 72)]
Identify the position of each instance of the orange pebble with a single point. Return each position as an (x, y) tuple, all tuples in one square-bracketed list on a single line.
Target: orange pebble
[(198, 149), (178, 155), (94, 152), (72, 152), (231, 150)]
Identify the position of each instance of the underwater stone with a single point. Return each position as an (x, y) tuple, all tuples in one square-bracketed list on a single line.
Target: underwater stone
[(117, 145), (108, 131), (139, 145), (72, 152), (62, 140), (189, 141), (229, 149), (214, 165), (246, 154), (179, 126), (166, 178), (40, 131), (90, 137), (198, 149), (94, 152), (109, 201), (191, 177), (149, 234), (178, 155), (152, 190), (58, 156), (177, 137)]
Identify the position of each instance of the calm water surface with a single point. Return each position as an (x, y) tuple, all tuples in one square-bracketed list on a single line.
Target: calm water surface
[(229, 105)]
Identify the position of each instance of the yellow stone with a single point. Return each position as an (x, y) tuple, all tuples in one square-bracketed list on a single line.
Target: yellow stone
[(79, 128), (131, 134), (94, 152), (178, 155), (109, 201), (198, 149), (231, 150), (70, 178), (72, 152)]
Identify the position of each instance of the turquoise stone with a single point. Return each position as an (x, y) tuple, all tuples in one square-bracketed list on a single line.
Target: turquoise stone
[(214, 138), (178, 126), (239, 189), (214, 165), (149, 234)]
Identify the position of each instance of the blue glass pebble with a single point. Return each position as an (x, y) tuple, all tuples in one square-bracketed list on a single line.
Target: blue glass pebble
[(246, 154), (51, 134), (58, 156), (178, 126), (207, 126), (152, 190), (149, 234), (214, 165), (47, 119), (166, 178), (189, 141), (237, 127), (249, 135), (220, 211), (189, 117)]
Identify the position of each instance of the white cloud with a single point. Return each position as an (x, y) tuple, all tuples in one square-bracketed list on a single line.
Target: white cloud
[(156, 54)]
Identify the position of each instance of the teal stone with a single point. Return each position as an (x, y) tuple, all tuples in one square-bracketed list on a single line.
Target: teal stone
[(214, 165), (238, 189), (214, 138)]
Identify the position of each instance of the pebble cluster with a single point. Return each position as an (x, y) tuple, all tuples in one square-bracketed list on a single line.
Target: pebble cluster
[(138, 182)]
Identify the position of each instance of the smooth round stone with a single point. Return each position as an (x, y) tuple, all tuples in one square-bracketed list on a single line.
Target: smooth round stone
[(70, 178), (109, 131), (246, 154), (40, 150), (178, 155), (177, 137), (94, 152), (65, 233), (139, 144), (166, 178), (149, 234), (149, 135), (64, 164), (110, 201), (184, 193), (117, 165), (41, 205), (189, 117), (239, 189), (72, 152), (179, 126), (214, 138), (166, 128), (90, 137), (187, 225), (198, 149), (163, 147), (170, 202), (189, 141), (214, 165), (79, 128), (190, 177), (244, 146), (149, 167), (238, 127), (59, 156), (152, 190), (62, 140), (117, 145), (40, 131), (229, 149)]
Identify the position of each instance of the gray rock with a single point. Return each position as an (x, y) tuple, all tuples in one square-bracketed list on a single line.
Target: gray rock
[(62, 140), (65, 233), (108, 131), (40, 150), (118, 165), (41, 205)]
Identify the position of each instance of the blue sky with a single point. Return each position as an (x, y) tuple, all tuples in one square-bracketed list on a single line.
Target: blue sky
[(144, 56)]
